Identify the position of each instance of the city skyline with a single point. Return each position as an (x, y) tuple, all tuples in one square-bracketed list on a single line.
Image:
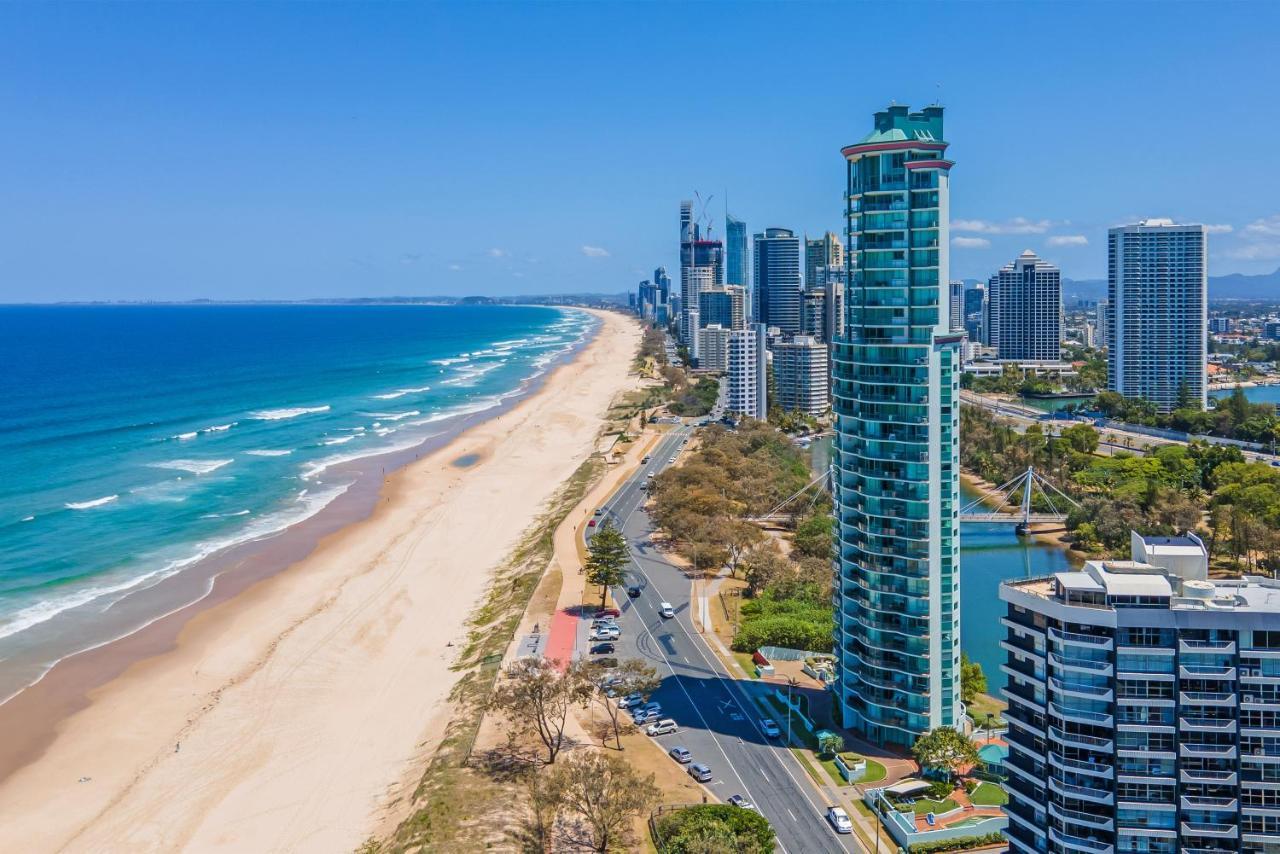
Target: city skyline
[(253, 153)]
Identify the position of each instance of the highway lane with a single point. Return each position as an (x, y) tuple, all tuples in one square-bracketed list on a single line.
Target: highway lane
[(719, 724)]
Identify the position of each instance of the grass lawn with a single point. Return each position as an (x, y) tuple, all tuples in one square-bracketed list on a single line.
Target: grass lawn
[(748, 664), (874, 774), (989, 795), (983, 705), (924, 806)]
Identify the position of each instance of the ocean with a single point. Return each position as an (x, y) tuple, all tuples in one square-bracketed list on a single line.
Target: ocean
[(138, 441)]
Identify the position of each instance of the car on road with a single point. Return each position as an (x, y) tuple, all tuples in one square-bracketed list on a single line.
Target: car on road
[(599, 511), (645, 461), (591, 524), (631, 701), (681, 755), (662, 727), (608, 612), (672, 461), (604, 649), (666, 611), (839, 820), (770, 728), (633, 592), (700, 772), (741, 803), (652, 474)]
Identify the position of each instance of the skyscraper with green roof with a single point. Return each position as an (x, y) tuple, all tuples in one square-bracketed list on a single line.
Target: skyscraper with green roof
[(896, 399)]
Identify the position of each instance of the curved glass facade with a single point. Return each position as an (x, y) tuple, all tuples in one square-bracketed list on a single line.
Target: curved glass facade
[(896, 402)]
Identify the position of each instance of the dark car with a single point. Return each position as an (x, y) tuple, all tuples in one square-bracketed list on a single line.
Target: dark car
[(633, 592), (603, 649), (591, 524)]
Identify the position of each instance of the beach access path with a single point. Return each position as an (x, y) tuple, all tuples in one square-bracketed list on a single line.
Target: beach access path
[(290, 716)]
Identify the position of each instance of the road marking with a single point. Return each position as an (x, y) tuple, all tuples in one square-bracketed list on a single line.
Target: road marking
[(793, 815)]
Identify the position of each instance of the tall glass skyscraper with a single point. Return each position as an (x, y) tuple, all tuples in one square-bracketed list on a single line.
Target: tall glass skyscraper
[(896, 400), (777, 280)]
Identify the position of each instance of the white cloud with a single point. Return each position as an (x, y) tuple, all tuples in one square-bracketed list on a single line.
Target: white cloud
[(455, 267), (498, 253), (595, 251), (970, 242), (1260, 241), (1269, 227), (1068, 240), (1017, 225), (1219, 229)]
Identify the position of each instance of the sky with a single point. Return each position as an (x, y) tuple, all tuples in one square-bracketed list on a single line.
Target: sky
[(289, 150)]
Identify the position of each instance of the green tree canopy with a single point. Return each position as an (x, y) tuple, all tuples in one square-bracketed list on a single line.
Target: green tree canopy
[(607, 558), (945, 749)]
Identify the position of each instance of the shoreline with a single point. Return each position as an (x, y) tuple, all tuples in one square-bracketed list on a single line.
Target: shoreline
[(172, 693)]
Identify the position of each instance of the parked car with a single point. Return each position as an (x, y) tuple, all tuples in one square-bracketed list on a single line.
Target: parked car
[(741, 802), (662, 727), (606, 633), (608, 612), (672, 460), (839, 820), (681, 755), (643, 716), (770, 728), (603, 649), (666, 611), (635, 700), (700, 772)]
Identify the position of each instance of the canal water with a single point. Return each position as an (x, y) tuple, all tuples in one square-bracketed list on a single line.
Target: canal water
[(990, 554)]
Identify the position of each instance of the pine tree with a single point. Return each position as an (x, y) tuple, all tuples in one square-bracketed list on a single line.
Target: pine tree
[(607, 560)]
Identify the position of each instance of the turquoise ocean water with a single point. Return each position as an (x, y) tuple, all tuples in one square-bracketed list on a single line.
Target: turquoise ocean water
[(135, 441)]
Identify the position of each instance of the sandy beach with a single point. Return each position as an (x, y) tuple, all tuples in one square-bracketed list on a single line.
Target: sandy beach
[(289, 716)]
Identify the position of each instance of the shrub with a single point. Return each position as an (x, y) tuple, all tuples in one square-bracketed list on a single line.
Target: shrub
[(940, 789), (714, 827), (959, 844)]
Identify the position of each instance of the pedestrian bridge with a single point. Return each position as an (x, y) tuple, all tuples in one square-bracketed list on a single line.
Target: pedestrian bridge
[(998, 505)]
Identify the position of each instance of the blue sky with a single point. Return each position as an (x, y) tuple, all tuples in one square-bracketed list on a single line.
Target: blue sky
[(311, 150)]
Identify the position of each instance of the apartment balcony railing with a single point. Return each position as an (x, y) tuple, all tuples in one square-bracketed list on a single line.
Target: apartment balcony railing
[(1092, 768), (1079, 843), (1093, 692), (1095, 821), (1207, 751), (1083, 716), (1091, 641), (1192, 646), (1194, 802), (1088, 742), (1206, 698), (1081, 664), (1084, 793), (1204, 776), (1207, 724), (1201, 671), (1195, 828)]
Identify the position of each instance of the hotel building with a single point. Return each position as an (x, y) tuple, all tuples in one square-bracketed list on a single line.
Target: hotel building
[(1026, 310), (748, 372), (896, 401), (800, 375), (1144, 707)]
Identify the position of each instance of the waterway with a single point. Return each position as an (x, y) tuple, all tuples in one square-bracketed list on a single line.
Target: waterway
[(989, 554), (1255, 394)]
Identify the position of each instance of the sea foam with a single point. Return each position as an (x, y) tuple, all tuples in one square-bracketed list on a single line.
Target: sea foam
[(193, 466), (290, 412), (401, 392), (89, 505)]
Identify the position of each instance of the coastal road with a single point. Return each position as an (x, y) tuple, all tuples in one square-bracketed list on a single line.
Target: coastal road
[(719, 724)]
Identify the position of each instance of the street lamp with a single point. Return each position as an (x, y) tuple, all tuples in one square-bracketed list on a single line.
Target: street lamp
[(791, 684)]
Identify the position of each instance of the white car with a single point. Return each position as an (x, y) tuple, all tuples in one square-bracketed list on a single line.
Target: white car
[(770, 728), (666, 611), (839, 820), (741, 803), (606, 633)]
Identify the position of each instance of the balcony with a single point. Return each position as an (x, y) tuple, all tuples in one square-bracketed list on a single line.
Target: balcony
[(1076, 765), (1078, 843), (1206, 777), (1192, 646), (1222, 831), (1081, 716), (1207, 724), (1084, 742), (1097, 822), (1088, 692), (1191, 802), (1200, 671), (1207, 751), (1084, 793), (1083, 665), (1206, 698), (1089, 641)]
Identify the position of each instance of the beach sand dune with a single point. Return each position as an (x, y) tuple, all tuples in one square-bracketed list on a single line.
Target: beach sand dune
[(288, 718)]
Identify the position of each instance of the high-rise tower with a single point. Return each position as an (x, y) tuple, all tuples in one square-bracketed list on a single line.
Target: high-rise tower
[(897, 371), (1026, 310), (1157, 312), (777, 279)]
